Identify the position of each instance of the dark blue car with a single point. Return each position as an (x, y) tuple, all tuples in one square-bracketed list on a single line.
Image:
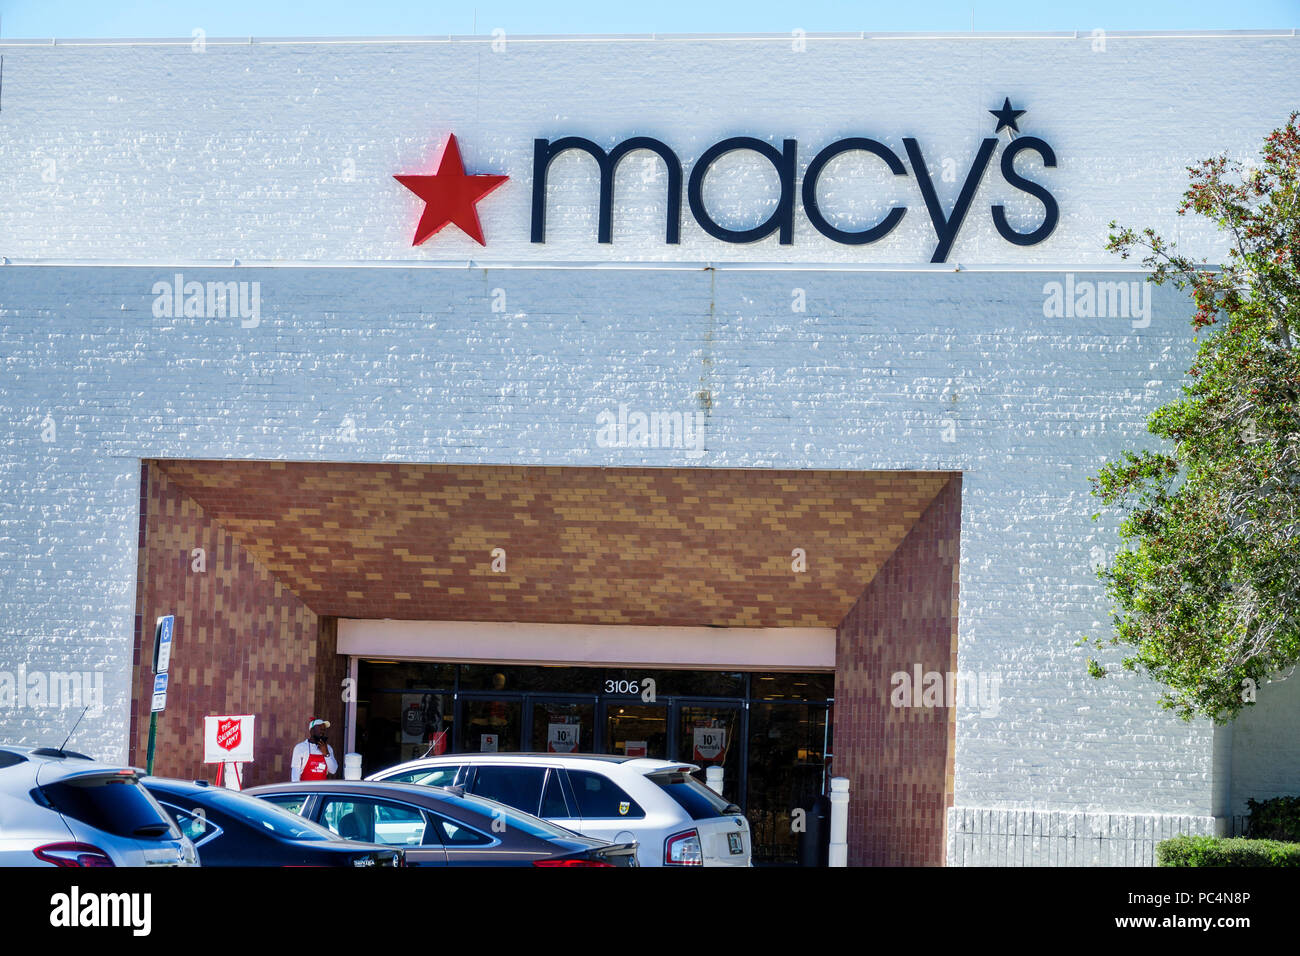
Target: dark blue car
[(233, 829)]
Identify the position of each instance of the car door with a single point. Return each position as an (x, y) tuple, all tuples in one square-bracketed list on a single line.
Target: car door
[(604, 809), (388, 822), (467, 846)]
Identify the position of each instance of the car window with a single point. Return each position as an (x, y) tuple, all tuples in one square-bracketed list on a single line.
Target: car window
[(691, 795), (457, 834), (195, 826), (116, 803), (428, 776), (262, 814), (518, 787), (293, 802), (8, 758), (553, 804), (374, 821), (600, 798)]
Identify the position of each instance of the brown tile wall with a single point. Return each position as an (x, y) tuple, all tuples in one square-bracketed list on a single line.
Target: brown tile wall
[(243, 643), (899, 761), (652, 546)]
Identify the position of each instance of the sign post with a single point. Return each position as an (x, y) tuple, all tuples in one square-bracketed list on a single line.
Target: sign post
[(162, 657)]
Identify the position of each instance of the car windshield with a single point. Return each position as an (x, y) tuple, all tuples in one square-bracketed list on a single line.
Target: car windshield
[(515, 819), (425, 776), (267, 816), (691, 795), (115, 802)]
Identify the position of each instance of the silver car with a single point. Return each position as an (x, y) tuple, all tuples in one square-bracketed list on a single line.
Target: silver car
[(59, 808)]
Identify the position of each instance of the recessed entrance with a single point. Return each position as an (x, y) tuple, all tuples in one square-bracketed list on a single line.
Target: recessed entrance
[(725, 583), (769, 732)]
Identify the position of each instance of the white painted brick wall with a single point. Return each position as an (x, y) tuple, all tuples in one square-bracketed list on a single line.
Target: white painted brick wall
[(427, 372), (283, 150), (979, 836), (1266, 745)]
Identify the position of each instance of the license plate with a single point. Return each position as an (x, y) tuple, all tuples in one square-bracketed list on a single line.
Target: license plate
[(734, 843)]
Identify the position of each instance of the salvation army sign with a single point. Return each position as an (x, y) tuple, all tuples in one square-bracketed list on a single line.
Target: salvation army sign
[(451, 196), (228, 739), (229, 733)]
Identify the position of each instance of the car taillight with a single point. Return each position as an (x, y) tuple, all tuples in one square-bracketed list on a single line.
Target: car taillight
[(683, 849), (72, 854), (571, 862)]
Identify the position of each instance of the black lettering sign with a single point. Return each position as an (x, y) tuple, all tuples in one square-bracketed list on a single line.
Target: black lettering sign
[(545, 151), (946, 224), (1052, 212)]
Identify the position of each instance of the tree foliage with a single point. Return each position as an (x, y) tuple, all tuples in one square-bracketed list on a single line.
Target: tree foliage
[(1206, 586)]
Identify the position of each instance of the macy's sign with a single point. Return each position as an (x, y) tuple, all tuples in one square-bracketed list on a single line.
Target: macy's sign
[(451, 195)]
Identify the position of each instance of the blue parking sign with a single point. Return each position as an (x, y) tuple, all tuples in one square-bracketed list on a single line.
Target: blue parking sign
[(159, 693), (162, 647)]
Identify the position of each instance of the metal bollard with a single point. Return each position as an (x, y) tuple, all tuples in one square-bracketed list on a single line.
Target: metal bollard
[(839, 849), (713, 779)]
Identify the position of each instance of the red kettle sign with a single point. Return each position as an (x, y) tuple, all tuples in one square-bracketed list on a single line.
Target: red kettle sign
[(228, 738)]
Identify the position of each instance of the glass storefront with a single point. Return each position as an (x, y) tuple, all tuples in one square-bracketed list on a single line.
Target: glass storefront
[(769, 733)]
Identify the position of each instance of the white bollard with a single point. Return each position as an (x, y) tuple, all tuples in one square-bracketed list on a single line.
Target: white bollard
[(839, 797), (713, 779), (352, 766)]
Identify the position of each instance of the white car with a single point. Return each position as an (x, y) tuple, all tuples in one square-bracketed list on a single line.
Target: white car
[(675, 819)]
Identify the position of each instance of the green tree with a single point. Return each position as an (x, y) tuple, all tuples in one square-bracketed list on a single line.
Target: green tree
[(1206, 585)]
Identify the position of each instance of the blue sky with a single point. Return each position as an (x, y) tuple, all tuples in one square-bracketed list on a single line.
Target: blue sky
[(178, 18)]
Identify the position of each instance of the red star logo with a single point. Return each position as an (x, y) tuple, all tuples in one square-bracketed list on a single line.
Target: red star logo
[(450, 195)]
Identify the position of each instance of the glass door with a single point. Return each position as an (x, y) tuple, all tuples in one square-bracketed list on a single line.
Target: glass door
[(787, 766), (709, 735), (634, 729), (561, 726), (491, 724)]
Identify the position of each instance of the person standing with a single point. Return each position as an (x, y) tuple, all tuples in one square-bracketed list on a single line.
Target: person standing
[(313, 758)]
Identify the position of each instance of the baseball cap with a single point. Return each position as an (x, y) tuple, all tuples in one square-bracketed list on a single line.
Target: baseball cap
[(316, 721)]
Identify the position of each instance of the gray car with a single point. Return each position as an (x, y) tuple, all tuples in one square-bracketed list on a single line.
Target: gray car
[(438, 826), (59, 808)]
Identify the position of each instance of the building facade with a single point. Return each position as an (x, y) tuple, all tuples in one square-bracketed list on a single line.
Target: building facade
[(728, 399)]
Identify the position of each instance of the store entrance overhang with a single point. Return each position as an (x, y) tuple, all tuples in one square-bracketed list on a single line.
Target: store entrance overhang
[(653, 547), (593, 645)]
